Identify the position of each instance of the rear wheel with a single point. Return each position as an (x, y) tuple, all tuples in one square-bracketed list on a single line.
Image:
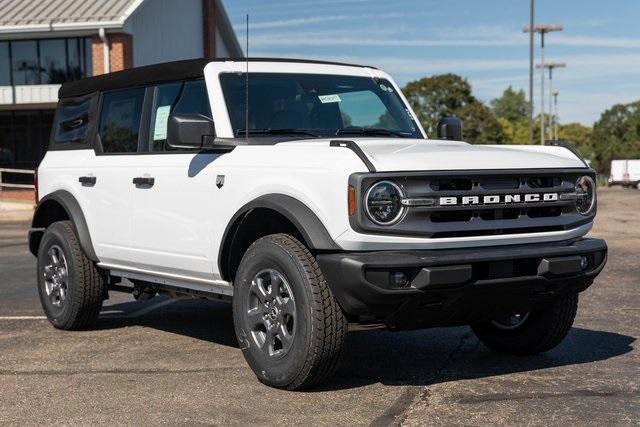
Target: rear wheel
[(530, 333), (70, 287), (289, 326)]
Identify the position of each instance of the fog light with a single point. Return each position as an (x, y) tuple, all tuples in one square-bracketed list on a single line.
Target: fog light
[(584, 262), (399, 279)]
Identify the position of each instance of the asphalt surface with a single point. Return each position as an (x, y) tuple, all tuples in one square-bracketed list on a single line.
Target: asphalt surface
[(177, 362)]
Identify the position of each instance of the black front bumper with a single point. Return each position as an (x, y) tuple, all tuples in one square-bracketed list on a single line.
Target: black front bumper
[(423, 288)]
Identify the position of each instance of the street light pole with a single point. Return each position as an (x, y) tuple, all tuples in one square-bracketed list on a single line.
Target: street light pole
[(542, 29), (550, 66), (542, 33), (551, 115), (531, 22), (555, 115)]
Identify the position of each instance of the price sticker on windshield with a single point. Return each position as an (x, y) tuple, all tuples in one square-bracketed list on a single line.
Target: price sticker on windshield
[(326, 99)]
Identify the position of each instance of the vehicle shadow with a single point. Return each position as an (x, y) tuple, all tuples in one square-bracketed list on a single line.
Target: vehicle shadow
[(393, 358)]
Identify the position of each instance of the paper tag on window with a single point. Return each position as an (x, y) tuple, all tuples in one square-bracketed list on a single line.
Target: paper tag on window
[(162, 117), (325, 99)]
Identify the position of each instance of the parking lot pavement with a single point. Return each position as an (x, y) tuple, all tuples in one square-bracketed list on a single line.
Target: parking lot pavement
[(177, 362)]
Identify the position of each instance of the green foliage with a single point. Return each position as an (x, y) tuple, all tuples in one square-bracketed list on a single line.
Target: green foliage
[(512, 105), (433, 98), (616, 135), (577, 135), (480, 125), (511, 110)]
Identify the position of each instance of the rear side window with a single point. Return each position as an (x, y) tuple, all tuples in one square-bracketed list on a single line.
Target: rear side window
[(72, 121), (180, 97), (120, 120)]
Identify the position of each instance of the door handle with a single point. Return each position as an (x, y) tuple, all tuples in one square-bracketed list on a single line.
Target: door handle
[(143, 181), (87, 180)]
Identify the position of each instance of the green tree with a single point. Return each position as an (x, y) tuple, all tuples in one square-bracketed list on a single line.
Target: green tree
[(616, 135), (480, 125), (512, 105), (433, 98), (579, 136)]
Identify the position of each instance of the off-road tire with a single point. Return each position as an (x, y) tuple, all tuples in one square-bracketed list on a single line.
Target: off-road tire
[(321, 326), (542, 330), (85, 289)]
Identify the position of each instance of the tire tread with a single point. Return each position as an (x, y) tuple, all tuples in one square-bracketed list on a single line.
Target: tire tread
[(88, 293), (327, 345)]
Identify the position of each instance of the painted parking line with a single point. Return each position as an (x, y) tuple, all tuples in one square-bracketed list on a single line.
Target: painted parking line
[(23, 317), (106, 315)]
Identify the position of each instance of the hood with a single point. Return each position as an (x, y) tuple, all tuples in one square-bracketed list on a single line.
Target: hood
[(389, 155)]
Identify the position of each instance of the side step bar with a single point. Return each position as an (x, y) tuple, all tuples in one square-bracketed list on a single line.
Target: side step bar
[(215, 289)]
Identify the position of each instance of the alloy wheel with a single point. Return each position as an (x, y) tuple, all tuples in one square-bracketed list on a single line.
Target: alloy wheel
[(271, 313), (56, 276)]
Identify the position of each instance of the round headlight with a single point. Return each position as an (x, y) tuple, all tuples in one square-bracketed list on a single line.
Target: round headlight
[(383, 203), (586, 195)]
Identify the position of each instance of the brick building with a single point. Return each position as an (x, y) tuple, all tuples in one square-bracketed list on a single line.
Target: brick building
[(46, 42)]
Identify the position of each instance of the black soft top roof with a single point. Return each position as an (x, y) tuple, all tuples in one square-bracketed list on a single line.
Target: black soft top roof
[(152, 74)]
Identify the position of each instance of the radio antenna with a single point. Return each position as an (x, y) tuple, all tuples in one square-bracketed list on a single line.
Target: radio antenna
[(246, 98)]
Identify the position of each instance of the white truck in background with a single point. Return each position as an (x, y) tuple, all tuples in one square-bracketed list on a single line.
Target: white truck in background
[(625, 173)]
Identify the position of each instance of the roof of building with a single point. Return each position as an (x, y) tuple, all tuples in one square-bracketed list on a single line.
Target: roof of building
[(158, 73), (27, 17), (23, 14)]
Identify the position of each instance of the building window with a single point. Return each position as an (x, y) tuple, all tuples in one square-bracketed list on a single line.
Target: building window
[(45, 61), (24, 62), (5, 67), (52, 61)]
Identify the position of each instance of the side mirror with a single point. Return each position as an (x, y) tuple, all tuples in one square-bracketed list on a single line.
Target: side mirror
[(449, 128), (189, 130)]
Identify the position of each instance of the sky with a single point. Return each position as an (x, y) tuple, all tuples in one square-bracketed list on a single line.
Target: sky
[(481, 40)]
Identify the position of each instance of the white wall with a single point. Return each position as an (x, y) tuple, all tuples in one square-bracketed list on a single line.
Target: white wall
[(166, 30), (29, 94)]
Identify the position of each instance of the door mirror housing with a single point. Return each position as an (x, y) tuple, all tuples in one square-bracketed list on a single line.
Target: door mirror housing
[(189, 130), (449, 128)]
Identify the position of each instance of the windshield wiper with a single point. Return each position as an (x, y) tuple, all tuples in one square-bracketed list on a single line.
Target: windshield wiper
[(370, 131), (291, 131)]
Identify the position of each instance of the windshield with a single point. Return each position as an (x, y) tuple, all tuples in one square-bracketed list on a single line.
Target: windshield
[(316, 105)]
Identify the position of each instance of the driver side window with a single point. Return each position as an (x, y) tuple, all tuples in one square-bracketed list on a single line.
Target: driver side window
[(178, 97)]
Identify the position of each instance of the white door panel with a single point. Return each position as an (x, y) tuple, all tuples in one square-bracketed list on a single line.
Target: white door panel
[(111, 207), (172, 220)]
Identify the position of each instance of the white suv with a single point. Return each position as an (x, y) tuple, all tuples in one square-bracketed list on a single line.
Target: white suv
[(308, 194)]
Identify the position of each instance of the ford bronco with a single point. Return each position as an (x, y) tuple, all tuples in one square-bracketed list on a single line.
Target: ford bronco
[(308, 195)]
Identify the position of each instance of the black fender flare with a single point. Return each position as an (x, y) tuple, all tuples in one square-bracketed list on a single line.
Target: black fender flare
[(74, 213), (311, 229)]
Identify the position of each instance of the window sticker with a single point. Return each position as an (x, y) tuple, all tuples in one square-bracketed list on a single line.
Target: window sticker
[(162, 118), (325, 99)]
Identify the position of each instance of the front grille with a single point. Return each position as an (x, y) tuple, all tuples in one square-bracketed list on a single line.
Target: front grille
[(487, 219), (479, 203)]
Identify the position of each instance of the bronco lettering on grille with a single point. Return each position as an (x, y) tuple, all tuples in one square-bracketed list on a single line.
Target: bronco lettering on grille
[(497, 199)]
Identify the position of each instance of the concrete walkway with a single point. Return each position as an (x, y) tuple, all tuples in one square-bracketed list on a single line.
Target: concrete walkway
[(16, 210)]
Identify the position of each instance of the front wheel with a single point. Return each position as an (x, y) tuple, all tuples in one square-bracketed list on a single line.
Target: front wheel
[(530, 333), (288, 324)]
